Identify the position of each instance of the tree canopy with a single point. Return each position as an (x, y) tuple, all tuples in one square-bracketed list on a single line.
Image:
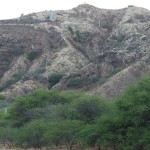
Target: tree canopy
[(49, 118)]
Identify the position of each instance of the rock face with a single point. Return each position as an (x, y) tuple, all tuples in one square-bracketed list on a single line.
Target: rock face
[(99, 51)]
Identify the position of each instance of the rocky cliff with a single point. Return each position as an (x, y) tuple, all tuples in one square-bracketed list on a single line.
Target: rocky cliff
[(97, 50)]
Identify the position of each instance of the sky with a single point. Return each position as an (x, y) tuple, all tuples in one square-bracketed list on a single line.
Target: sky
[(14, 8)]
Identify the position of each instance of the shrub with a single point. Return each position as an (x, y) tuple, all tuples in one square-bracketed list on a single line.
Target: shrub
[(2, 97), (18, 75), (7, 84), (130, 20), (93, 78), (115, 71), (112, 72), (70, 30), (102, 80), (55, 78), (2, 101), (118, 44), (17, 49), (15, 78), (33, 55), (75, 82), (78, 36), (27, 20)]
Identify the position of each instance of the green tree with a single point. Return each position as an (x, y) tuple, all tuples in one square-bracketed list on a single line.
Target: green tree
[(7, 136), (134, 109), (88, 108), (37, 105), (63, 133), (89, 137), (108, 128), (31, 135)]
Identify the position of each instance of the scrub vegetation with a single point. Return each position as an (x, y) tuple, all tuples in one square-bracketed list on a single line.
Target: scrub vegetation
[(53, 119)]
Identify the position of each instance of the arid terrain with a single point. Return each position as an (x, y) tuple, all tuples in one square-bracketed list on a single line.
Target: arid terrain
[(99, 50)]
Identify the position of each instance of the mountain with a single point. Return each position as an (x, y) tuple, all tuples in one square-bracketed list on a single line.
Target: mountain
[(99, 51)]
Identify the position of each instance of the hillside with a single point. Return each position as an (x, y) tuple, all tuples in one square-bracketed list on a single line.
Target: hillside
[(97, 50)]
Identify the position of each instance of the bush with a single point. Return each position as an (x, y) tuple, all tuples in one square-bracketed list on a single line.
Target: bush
[(17, 49), (70, 29), (2, 97), (102, 80), (2, 101), (55, 78), (75, 82), (15, 78), (33, 55), (93, 78), (115, 71), (118, 44), (78, 36), (18, 75), (27, 20), (7, 84)]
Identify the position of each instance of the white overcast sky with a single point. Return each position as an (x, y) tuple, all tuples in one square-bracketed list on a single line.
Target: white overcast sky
[(14, 8)]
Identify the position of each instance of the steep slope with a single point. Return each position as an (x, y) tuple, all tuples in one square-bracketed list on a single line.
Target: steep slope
[(124, 59), (98, 50)]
